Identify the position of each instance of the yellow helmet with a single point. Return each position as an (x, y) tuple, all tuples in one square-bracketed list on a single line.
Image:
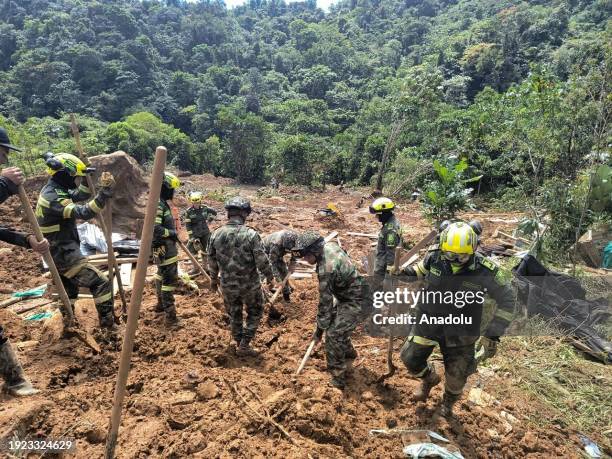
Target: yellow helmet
[(195, 196), (458, 238), (381, 204), (66, 162), (171, 181)]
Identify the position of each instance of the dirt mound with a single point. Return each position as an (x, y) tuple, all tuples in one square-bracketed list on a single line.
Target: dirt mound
[(129, 198)]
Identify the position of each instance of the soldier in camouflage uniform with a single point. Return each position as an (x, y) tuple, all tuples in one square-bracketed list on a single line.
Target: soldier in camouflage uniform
[(235, 251), (196, 220), (11, 370), (57, 215), (165, 251), (277, 245), (455, 266), (342, 292)]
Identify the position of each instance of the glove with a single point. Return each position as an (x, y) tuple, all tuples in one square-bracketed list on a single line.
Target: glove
[(158, 232), (318, 334), (391, 270), (106, 180), (488, 347)]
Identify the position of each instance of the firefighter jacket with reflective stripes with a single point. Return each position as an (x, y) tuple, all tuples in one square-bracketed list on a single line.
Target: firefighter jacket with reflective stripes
[(480, 274), (7, 189), (164, 235), (57, 215), (196, 221), (389, 238)]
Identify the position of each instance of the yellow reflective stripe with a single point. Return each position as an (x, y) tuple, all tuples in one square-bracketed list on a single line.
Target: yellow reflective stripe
[(188, 220), (420, 269), (169, 261), (103, 298), (75, 269), (166, 232), (189, 232), (68, 210), (84, 188), (158, 220), (423, 341), (167, 288), (93, 206), (65, 202), (504, 315), (50, 229), (157, 277), (43, 202)]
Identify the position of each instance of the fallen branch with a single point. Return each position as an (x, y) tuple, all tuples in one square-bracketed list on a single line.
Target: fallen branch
[(258, 415)]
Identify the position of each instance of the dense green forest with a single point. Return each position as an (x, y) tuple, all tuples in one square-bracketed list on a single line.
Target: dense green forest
[(508, 97)]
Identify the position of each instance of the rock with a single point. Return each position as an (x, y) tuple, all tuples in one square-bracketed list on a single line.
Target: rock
[(367, 395), (391, 423), (184, 397), (479, 397), (96, 435), (52, 329), (508, 417), (493, 433), (207, 390)]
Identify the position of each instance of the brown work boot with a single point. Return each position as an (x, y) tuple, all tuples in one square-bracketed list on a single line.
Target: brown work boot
[(12, 372), (448, 401), (431, 380)]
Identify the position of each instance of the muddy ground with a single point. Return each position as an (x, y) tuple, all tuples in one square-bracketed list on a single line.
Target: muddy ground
[(180, 400)]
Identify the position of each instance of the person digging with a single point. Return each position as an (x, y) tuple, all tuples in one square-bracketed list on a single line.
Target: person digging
[(196, 219)]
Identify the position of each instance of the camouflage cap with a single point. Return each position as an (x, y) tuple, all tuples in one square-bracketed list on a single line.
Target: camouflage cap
[(308, 241), (238, 203)]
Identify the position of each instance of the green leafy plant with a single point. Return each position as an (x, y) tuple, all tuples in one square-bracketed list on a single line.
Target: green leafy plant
[(448, 193)]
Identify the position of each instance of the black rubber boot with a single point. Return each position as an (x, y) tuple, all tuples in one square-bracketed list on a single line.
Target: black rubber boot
[(12, 372), (428, 382), (448, 401), (245, 349)]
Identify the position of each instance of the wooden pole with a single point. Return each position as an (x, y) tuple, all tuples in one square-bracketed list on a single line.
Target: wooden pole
[(106, 230), (55, 275), (306, 356), (193, 259), (390, 365), (136, 298)]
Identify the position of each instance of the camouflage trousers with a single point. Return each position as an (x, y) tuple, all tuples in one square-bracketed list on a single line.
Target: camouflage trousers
[(166, 280), (338, 345), (235, 299), (459, 361), (90, 277), (199, 250)]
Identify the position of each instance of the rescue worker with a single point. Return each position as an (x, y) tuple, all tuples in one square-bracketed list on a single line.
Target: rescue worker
[(235, 252), (57, 214), (11, 371), (165, 250), (276, 246), (389, 237), (342, 292), (455, 266), (196, 220)]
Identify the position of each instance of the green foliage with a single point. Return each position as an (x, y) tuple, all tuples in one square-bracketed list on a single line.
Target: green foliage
[(447, 193), (601, 193)]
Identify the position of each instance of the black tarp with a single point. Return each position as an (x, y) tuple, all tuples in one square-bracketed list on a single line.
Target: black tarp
[(562, 299)]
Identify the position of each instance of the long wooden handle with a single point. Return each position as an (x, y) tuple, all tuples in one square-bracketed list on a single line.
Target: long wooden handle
[(57, 280), (306, 356), (193, 259), (106, 229), (280, 287), (137, 291)]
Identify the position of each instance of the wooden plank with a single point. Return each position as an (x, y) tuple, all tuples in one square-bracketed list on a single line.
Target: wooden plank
[(418, 246), (125, 272), (410, 261), (330, 236), (100, 256), (301, 276), (371, 236)]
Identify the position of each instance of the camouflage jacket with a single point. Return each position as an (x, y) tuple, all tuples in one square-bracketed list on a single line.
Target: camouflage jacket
[(236, 251), (389, 237), (165, 245), (196, 221), (57, 215), (338, 278), (275, 245), (7, 189), (479, 275)]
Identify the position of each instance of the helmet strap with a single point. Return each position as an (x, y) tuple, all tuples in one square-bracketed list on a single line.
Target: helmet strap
[(384, 216), (64, 179)]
